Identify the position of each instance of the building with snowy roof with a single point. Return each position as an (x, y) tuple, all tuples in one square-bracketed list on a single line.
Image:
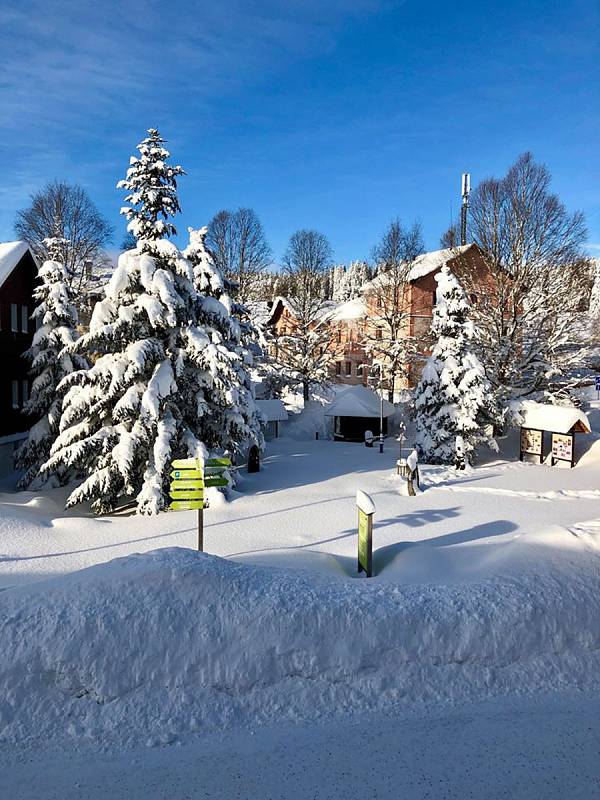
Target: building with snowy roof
[(364, 317), (272, 412), (357, 409), (18, 272)]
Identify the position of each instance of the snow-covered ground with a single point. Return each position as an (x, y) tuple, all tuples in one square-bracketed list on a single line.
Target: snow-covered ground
[(480, 625)]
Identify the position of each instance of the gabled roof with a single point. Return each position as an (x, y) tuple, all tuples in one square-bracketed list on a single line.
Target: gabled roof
[(272, 410), (279, 303), (348, 311), (425, 264), (10, 255), (358, 401), (558, 419)]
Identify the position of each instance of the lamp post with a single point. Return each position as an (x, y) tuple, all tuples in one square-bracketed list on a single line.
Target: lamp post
[(381, 419)]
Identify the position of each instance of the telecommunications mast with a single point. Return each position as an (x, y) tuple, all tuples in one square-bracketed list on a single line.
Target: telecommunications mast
[(466, 191)]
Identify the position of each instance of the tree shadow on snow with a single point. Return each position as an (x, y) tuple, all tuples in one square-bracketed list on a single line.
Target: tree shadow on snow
[(384, 556), (416, 519)]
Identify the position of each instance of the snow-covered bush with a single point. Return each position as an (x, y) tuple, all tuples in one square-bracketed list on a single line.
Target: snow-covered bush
[(452, 400), (56, 318)]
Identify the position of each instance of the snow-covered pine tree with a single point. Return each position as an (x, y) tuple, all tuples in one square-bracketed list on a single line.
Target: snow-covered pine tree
[(152, 186), (161, 366), (339, 288), (357, 275), (452, 400), (56, 318), (233, 415)]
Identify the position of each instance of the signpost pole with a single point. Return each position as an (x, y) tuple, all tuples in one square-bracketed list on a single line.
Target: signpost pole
[(200, 530), (381, 421)]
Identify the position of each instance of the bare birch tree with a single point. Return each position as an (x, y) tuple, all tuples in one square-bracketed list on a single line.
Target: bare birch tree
[(66, 212), (387, 338), (240, 249), (529, 314), (305, 349)]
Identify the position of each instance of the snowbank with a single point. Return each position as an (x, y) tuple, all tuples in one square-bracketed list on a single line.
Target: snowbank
[(306, 423), (151, 647)]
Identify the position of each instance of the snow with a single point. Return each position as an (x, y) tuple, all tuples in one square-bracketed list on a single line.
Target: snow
[(523, 750), (358, 401), (365, 502), (272, 410), (349, 311), (10, 255), (558, 419), (435, 259), (423, 265), (480, 621)]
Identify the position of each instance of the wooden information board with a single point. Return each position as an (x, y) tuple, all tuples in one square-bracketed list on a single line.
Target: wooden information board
[(562, 448), (532, 443)]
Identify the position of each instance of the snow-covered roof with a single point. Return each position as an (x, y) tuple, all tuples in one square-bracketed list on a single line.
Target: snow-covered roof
[(358, 401), (424, 264), (348, 311), (259, 311), (558, 419), (10, 255), (325, 308), (272, 410)]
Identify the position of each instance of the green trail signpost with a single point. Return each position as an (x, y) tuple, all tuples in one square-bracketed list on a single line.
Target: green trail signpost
[(189, 477), (366, 509)]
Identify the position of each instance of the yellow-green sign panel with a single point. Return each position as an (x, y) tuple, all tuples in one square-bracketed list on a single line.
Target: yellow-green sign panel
[(179, 474), (187, 505), (187, 486), (184, 483), (365, 542)]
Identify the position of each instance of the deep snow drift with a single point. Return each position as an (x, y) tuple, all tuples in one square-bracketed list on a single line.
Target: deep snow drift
[(148, 648)]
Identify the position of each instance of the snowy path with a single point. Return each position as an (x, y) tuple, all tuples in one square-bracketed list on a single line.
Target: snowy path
[(542, 749)]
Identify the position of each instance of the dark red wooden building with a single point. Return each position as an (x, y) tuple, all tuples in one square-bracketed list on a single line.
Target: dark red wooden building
[(18, 273)]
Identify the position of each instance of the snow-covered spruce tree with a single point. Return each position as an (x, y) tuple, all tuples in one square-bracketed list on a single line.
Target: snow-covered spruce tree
[(56, 317), (161, 366), (233, 413), (452, 400), (152, 186)]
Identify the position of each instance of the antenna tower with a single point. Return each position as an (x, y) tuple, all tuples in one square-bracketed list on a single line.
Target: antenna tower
[(466, 191)]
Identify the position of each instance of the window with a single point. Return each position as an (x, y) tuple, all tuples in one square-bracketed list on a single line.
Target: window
[(24, 319), (378, 333), (25, 390), (339, 335), (15, 394), (338, 367), (360, 368), (348, 368), (14, 318)]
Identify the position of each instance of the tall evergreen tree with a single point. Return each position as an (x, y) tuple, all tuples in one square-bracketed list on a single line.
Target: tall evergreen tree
[(163, 368), (152, 186), (232, 417), (452, 400), (56, 317)]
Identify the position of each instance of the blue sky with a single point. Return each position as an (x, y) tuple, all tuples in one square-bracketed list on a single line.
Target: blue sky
[(331, 115)]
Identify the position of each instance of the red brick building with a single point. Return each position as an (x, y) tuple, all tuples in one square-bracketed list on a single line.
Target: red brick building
[(351, 321)]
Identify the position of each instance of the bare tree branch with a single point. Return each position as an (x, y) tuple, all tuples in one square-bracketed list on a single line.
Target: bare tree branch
[(240, 249), (64, 211)]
